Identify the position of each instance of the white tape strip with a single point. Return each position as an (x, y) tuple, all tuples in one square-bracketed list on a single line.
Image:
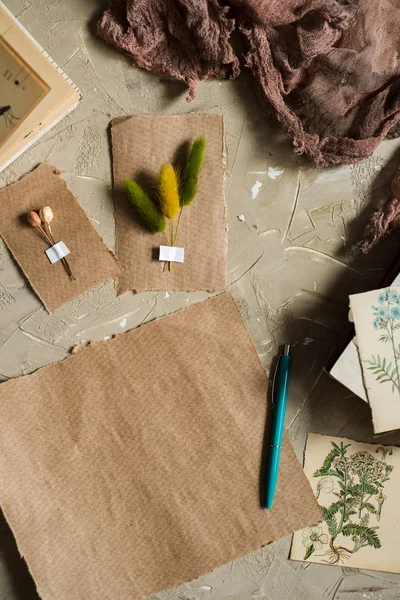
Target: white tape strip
[(57, 252), (172, 254)]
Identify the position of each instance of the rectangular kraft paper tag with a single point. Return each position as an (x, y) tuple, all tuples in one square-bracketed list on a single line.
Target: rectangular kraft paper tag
[(140, 145), (90, 260)]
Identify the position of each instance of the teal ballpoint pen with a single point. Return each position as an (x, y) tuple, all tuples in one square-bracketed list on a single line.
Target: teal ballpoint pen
[(279, 397)]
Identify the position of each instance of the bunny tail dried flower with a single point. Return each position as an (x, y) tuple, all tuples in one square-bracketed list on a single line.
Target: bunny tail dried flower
[(169, 191), (144, 206), (191, 172)]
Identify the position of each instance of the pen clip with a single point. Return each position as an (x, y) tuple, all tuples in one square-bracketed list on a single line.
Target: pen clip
[(274, 381)]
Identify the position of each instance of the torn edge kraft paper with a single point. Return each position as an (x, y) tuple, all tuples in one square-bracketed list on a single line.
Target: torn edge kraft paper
[(140, 145), (134, 465), (91, 261)]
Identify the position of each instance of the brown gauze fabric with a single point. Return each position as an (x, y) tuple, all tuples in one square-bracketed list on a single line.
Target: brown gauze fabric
[(385, 219), (90, 261), (140, 145), (134, 465), (328, 69)]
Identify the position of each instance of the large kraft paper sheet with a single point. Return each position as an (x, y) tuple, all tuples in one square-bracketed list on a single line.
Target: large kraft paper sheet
[(134, 465), (140, 145), (90, 260)]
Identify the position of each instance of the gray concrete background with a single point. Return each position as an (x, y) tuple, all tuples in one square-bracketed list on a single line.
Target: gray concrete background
[(291, 266)]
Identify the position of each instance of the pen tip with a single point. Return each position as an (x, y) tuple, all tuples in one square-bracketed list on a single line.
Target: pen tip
[(268, 501)]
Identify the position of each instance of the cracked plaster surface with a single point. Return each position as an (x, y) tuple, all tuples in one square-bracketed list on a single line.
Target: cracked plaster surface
[(291, 265)]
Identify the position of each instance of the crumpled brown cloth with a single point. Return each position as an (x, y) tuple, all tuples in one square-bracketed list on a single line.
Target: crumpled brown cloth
[(329, 69), (385, 219)]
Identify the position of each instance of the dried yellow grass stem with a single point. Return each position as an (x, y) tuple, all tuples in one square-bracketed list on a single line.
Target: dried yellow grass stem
[(169, 191)]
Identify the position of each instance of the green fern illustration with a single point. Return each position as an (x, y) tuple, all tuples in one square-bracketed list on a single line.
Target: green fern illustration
[(357, 481), (383, 371), (362, 535)]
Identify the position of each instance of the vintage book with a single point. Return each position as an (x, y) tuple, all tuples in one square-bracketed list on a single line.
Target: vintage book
[(357, 487), (35, 93)]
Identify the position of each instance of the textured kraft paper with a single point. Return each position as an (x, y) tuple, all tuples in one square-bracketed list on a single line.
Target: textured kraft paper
[(134, 465), (90, 261), (140, 145)]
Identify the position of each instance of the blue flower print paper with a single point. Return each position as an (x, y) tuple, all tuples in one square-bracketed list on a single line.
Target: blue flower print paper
[(376, 317)]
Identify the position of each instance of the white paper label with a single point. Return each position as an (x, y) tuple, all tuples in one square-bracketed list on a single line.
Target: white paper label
[(172, 254), (57, 252)]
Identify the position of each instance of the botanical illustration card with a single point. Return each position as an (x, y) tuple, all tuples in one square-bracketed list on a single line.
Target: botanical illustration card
[(357, 486), (376, 317)]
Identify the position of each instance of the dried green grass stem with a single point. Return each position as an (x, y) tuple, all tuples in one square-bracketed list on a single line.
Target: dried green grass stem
[(191, 172), (148, 212), (172, 197)]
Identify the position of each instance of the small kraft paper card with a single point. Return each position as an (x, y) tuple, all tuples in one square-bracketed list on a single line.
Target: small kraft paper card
[(357, 486), (135, 464), (141, 146), (82, 250), (376, 318)]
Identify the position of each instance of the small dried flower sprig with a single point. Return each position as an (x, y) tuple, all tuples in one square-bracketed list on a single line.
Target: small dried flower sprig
[(42, 222), (174, 193), (35, 221), (46, 216)]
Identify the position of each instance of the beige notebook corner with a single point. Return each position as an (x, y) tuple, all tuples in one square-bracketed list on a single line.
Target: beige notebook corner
[(35, 93)]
